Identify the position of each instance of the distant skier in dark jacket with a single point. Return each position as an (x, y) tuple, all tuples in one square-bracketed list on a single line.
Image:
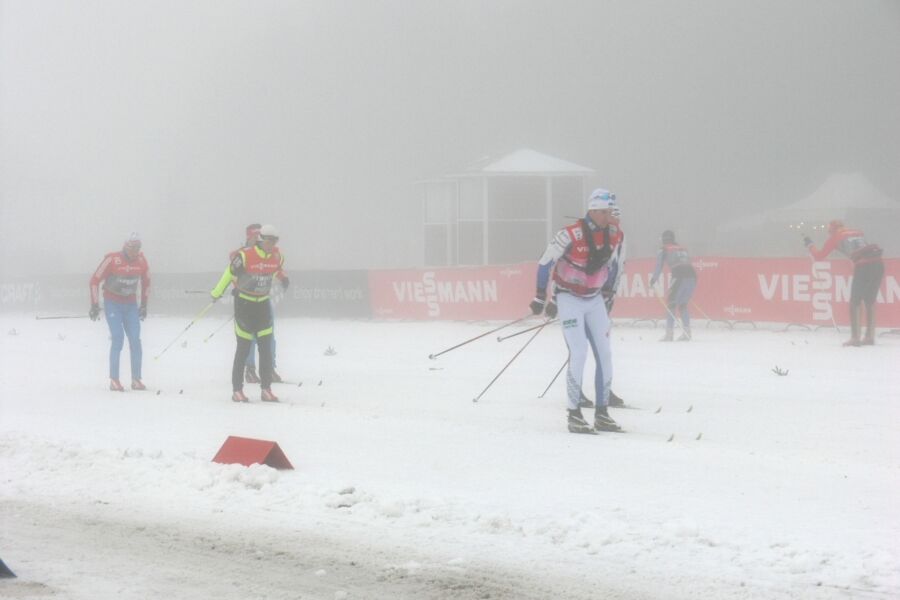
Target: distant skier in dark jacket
[(868, 270), (684, 282)]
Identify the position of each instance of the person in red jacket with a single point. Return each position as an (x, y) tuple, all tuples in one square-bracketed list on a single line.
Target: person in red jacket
[(868, 271), (121, 273)]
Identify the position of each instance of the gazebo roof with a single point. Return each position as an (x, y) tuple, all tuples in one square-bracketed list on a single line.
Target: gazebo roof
[(526, 161), (839, 194)]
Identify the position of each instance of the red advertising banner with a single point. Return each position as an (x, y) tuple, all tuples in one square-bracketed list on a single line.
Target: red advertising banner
[(501, 292), (784, 290)]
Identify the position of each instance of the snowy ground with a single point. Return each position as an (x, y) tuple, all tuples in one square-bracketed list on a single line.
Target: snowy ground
[(404, 488)]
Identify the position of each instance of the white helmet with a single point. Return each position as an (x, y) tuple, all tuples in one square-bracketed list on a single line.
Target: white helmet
[(601, 199), (268, 232)]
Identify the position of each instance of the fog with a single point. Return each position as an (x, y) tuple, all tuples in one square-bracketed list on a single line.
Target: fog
[(187, 120)]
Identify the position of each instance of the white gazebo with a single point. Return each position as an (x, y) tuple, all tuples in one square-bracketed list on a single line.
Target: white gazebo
[(501, 211)]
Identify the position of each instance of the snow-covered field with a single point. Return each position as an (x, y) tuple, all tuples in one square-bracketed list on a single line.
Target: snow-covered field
[(405, 488)]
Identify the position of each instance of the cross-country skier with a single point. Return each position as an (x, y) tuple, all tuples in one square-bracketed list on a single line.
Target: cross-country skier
[(684, 282), (250, 375), (252, 271), (868, 270), (577, 259), (120, 273), (616, 268)]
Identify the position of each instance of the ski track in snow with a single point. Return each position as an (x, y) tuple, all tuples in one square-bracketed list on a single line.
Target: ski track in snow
[(405, 489)]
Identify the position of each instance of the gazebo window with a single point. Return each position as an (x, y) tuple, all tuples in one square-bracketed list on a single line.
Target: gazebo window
[(502, 211)]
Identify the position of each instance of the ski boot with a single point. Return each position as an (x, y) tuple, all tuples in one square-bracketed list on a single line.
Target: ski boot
[(250, 375), (615, 401), (576, 422), (137, 384), (670, 335), (238, 396), (276, 378), (115, 386), (685, 336), (268, 396), (585, 402), (603, 422)]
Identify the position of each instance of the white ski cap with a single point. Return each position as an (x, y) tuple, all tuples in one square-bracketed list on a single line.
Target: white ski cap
[(601, 199), (268, 231)]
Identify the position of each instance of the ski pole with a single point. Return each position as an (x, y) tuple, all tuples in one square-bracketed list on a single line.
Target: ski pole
[(700, 310), (497, 376), (189, 325), (512, 335), (477, 337), (671, 314), (552, 381), (196, 291), (206, 339), (39, 318)]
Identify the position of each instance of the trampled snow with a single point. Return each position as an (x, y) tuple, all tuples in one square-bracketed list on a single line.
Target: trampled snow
[(405, 488)]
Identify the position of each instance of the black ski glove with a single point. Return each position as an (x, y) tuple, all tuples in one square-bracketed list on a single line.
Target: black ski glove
[(142, 312), (94, 313), (551, 310), (540, 300)]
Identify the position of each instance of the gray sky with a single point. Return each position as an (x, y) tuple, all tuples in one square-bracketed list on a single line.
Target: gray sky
[(187, 119)]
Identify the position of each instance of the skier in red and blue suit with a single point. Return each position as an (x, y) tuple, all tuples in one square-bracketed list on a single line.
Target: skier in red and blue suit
[(121, 273)]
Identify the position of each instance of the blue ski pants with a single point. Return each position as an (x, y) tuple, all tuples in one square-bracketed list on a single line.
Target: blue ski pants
[(123, 320)]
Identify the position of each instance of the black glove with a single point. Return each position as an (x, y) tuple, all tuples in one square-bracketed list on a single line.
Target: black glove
[(142, 312), (285, 282), (551, 309), (807, 241), (94, 313), (540, 300)]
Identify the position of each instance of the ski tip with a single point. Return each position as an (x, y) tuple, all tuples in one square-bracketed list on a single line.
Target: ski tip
[(657, 411), (671, 437)]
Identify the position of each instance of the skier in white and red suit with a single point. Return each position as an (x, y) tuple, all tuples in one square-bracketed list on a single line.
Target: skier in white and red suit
[(578, 260)]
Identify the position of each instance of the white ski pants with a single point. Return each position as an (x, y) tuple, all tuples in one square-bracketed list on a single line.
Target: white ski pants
[(584, 321)]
